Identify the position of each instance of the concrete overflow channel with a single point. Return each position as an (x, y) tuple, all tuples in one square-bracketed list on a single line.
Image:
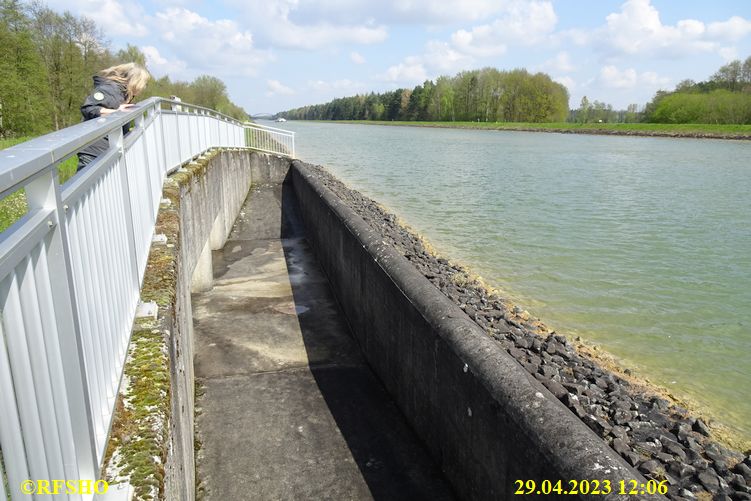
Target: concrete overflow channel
[(488, 427)]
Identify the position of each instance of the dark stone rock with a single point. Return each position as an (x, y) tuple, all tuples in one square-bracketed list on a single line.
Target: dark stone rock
[(686, 494), (682, 430), (599, 425), (620, 432), (620, 446), (681, 469), (531, 368), (601, 383), (701, 427), (738, 483), (517, 353), (659, 403), (670, 479), (692, 444), (633, 458), (573, 388), (664, 457), (555, 388), (536, 345), (713, 452), (700, 464), (578, 410), (622, 417), (674, 448), (741, 496), (619, 404), (648, 448), (743, 469), (548, 371), (534, 359), (651, 467), (710, 481)]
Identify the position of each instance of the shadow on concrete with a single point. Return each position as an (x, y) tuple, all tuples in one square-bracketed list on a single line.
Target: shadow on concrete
[(393, 462)]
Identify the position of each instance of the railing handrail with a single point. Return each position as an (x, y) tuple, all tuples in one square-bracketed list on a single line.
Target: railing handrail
[(21, 162), (267, 127)]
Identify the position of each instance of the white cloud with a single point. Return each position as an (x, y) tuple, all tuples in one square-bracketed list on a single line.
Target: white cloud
[(560, 63), (522, 23), (629, 78), (567, 82), (619, 79), (275, 87), (210, 45), (356, 57), (732, 30), (728, 53), (447, 11), (114, 17), (424, 12), (159, 65), (280, 23), (315, 37), (637, 29), (345, 85), (444, 58), (411, 70)]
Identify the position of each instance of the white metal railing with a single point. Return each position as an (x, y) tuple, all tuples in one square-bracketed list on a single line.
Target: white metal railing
[(70, 275), (270, 139)]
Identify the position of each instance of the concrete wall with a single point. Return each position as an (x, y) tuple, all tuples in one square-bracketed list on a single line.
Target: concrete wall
[(209, 195), (482, 416)]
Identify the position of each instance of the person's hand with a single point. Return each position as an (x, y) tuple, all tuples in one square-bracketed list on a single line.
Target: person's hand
[(122, 107)]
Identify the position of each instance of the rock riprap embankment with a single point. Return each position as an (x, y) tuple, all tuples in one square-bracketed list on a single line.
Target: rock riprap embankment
[(659, 438)]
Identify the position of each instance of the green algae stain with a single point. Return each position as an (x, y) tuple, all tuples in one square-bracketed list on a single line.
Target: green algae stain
[(140, 431)]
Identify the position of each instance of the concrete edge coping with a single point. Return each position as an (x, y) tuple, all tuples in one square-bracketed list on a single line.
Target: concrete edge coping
[(572, 446)]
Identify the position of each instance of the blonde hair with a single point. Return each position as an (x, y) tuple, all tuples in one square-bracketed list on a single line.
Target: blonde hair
[(131, 76)]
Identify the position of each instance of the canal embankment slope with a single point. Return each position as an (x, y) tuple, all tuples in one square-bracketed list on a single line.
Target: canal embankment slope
[(696, 131)]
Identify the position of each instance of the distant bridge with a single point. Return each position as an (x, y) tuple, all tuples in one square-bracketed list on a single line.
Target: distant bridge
[(265, 116)]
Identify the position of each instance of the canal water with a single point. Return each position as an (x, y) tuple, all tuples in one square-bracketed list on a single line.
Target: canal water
[(639, 245)]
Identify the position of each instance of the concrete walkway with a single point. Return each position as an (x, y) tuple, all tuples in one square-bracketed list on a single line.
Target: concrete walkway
[(287, 407)]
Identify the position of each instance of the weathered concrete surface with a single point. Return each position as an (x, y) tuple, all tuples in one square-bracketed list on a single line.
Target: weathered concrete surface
[(288, 409)]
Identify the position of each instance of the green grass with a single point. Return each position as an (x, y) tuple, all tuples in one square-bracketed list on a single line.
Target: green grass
[(685, 130), (14, 206)]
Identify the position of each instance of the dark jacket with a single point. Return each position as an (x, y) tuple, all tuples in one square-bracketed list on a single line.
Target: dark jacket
[(106, 94)]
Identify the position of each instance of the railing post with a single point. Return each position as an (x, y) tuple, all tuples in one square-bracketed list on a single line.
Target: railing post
[(116, 141), (44, 193)]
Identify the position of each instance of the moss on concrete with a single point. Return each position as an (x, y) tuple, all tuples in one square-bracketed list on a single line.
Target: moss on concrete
[(137, 450), (139, 439), (194, 169)]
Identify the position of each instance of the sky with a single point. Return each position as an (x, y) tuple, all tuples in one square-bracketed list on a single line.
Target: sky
[(276, 55)]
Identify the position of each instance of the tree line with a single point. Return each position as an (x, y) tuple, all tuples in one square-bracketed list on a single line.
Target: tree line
[(723, 99), (47, 60), (491, 95), (487, 95)]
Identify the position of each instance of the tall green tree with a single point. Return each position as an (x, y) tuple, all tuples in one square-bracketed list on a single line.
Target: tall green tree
[(24, 94)]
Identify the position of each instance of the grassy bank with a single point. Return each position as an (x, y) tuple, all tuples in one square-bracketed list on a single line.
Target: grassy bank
[(14, 206), (631, 129)]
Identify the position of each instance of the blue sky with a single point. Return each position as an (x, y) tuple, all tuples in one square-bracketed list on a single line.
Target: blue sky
[(279, 54)]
